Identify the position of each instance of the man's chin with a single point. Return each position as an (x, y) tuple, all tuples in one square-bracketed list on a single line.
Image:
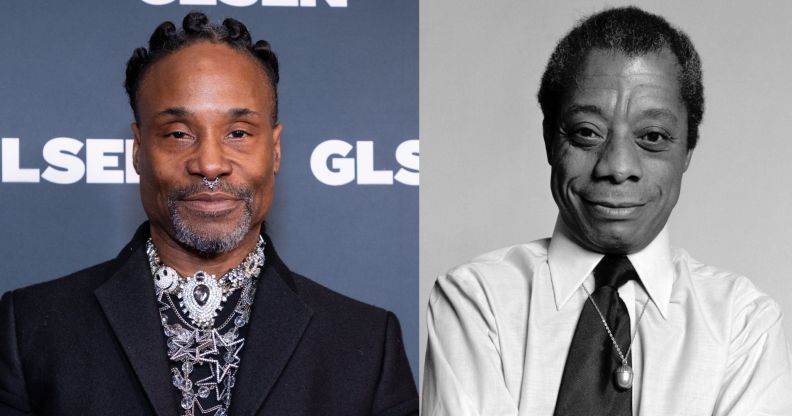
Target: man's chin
[(618, 238), (211, 238)]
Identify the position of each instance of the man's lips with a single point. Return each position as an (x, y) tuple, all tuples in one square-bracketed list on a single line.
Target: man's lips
[(614, 204), (210, 201), (613, 209)]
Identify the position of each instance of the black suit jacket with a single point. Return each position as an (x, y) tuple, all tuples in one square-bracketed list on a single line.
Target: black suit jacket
[(92, 344)]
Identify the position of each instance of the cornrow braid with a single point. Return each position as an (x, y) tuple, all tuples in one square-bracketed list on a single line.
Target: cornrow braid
[(196, 27)]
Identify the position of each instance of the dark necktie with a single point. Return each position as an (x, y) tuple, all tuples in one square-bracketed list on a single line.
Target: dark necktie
[(587, 385)]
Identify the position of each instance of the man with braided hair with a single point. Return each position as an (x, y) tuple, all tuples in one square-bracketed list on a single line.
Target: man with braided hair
[(198, 315)]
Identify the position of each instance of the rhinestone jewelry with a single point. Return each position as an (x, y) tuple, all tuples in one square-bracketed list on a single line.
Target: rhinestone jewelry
[(201, 295), (204, 357), (623, 376), (211, 184)]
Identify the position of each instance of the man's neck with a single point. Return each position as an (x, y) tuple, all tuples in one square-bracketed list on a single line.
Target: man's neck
[(187, 262)]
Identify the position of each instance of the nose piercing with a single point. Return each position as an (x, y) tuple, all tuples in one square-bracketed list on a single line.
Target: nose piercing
[(211, 184)]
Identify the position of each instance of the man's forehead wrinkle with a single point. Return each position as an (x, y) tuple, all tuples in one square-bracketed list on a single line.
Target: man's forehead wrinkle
[(183, 112), (633, 64), (241, 112), (629, 101), (637, 67), (614, 92), (652, 101), (618, 79), (591, 99), (660, 113), (174, 112), (584, 109), (636, 102)]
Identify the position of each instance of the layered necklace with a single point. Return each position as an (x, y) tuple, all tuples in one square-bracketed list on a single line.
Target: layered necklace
[(205, 356)]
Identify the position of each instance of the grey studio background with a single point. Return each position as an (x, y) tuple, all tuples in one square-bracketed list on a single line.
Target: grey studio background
[(485, 181), (348, 97)]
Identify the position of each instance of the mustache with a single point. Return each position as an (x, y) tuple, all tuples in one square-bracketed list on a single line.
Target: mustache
[(241, 192)]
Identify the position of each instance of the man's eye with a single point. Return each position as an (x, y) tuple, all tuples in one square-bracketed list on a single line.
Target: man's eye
[(655, 137), (238, 134), (177, 134), (655, 140), (586, 137), (587, 133)]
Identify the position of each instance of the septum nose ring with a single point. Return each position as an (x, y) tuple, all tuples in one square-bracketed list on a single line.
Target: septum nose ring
[(211, 184)]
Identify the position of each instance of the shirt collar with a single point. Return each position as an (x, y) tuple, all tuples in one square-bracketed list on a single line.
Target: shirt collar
[(570, 266)]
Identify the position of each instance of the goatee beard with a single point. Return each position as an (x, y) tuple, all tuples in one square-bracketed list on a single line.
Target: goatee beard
[(207, 243)]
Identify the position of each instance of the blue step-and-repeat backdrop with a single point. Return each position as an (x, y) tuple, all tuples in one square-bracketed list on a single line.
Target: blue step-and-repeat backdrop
[(346, 199)]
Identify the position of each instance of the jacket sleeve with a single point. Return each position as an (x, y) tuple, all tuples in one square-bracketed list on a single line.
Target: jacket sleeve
[(396, 394), (13, 395)]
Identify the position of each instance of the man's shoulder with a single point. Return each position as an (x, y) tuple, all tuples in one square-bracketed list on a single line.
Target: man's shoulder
[(327, 304), (503, 270), (51, 306), (723, 290), (79, 285), (712, 278), (356, 343), (70, 288), (516, 258), (534, 250)]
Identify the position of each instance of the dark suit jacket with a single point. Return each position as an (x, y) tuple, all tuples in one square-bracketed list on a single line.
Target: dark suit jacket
[(92, 344)]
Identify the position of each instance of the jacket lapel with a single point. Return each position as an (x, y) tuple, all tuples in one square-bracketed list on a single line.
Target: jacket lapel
[(128, 301), (279, 319)]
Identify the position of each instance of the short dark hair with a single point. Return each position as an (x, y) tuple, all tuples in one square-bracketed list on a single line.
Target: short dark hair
[(196, 27), (633, 32)]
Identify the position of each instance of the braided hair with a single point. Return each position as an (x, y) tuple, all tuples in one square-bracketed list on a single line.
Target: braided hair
[(196, 27)]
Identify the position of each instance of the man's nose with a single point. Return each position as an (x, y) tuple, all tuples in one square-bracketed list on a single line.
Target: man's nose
[(619, 159), (210, 159)]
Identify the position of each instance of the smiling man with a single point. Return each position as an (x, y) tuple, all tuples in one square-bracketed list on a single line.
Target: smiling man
[(605, 317), (198, 315)]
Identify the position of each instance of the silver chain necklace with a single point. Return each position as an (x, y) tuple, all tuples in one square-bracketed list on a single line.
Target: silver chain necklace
[(197, 345), (624, 373), (201, 295)]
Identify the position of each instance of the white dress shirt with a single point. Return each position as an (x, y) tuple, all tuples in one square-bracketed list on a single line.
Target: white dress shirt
[(500, 327)]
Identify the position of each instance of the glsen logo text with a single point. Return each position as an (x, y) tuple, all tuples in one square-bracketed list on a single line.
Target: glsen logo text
[(245, 3), (332, 165), (102, 164)]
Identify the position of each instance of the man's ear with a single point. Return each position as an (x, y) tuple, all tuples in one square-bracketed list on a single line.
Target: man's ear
[(135, 146), (688, 156), (276, 148), (549, 136)]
